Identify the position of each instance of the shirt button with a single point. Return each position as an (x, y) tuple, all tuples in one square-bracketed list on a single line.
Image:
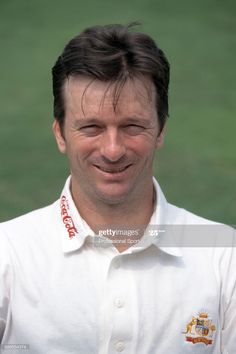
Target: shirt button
[(120, 346), (119, 303)]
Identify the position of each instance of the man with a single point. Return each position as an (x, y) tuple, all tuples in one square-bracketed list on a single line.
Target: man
[(88, 274)]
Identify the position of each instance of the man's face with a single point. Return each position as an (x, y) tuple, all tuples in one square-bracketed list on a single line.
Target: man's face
[(110, 151)]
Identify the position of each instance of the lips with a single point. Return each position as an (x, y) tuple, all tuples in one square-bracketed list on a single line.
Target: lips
[(112, 170)]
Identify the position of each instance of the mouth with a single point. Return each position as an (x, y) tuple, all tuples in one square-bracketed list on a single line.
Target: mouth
[(114, 170)]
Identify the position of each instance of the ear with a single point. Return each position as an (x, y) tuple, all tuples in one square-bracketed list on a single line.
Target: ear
[(59, 137), (160, 139)]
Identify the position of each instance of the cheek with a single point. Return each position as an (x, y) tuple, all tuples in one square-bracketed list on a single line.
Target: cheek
[(143, 147), (82, 151)]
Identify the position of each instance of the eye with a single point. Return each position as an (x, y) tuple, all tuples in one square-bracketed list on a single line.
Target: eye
[(91, 130), (134, 129)]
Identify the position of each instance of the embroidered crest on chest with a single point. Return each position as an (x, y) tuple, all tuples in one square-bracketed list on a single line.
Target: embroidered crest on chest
[(200, 329)]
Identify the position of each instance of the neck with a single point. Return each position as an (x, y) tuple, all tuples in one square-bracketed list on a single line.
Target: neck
[(134, 213)]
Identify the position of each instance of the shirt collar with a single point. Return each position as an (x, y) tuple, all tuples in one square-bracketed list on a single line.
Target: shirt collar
[(157, 231), (74, 230)]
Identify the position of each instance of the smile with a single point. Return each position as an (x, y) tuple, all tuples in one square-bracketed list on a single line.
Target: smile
[(112, 170)]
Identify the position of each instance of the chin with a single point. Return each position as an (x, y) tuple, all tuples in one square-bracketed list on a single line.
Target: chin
[(112, 198)]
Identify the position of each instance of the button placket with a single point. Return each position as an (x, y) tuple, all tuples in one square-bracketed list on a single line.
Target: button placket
[(119, 282)]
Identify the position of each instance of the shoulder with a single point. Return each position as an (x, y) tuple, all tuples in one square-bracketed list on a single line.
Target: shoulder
[(33, 223), (195, 233), (185, 217), (31, 218)]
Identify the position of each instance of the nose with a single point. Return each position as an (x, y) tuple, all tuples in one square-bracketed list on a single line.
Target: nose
[(112, 145)]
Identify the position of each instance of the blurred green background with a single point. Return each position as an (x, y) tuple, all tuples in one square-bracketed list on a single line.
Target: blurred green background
[(196, 167)]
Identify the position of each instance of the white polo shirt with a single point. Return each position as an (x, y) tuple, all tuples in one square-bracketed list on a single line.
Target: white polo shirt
[(63, 292)]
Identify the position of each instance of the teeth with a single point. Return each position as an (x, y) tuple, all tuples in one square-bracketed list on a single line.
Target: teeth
[(112, 171)]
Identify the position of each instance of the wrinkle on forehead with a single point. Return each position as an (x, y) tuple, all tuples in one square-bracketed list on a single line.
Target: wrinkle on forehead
[(139, 88)]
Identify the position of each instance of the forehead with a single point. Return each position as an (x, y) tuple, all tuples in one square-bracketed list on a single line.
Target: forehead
[(89, 96)]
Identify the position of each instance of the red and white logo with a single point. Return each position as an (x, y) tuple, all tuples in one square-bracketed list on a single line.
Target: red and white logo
[(66, 218)]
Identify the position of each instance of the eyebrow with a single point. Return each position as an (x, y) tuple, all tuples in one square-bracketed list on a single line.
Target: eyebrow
[(82, 121)]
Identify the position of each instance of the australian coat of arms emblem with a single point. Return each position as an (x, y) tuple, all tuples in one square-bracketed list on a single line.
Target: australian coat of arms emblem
[(200, 329)]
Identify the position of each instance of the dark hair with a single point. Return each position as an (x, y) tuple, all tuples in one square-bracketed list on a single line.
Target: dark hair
[(112, 53)]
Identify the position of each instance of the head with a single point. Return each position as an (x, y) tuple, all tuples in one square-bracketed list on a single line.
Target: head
[(112, 54), (110, 105)]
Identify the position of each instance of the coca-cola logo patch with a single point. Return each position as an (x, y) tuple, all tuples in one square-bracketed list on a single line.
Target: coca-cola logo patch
[(66, 218)]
